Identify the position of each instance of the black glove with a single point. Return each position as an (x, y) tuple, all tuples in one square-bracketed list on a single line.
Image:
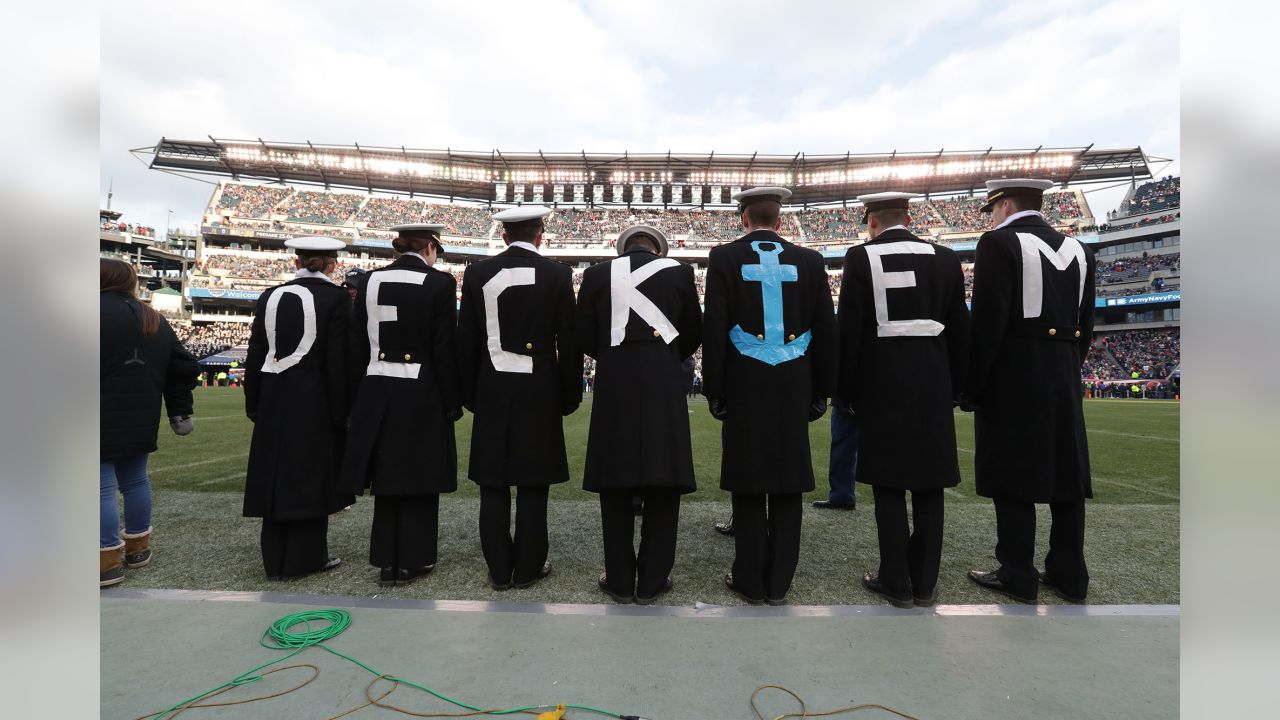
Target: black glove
[(717, 408), (817, 409), (454, 415), (967, 403)]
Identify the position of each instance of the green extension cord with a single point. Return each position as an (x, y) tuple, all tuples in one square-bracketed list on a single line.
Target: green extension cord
[(330, 624)]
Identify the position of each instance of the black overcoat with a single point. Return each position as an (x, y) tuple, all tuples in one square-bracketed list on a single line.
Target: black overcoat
[(767, 391), (904, 345), (405, 384), (639, 434), (295, 391), (520, 366), (135, 373), (1028, 345)]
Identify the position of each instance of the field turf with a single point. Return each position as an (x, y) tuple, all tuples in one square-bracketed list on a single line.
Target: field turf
[(1131, 544)]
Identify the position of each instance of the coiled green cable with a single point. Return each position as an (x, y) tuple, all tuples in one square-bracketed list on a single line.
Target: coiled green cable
[(322, 625)]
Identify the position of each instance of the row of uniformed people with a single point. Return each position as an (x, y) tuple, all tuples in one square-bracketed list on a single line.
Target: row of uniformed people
[(770, 350)]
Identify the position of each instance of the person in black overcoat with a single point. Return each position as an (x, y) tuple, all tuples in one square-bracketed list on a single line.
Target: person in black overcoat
[(400, 445), (904, 343), (1033, 305), (521, 373), (639, 317), (142, 362), (768, 364), (295, 392)]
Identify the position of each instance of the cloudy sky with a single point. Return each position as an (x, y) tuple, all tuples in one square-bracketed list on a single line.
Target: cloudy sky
[(690, 76)]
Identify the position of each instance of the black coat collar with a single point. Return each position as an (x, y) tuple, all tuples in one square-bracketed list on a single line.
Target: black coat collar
[(410, 261), (1032, 220), (515, 251), (766, 235), (896, 235)]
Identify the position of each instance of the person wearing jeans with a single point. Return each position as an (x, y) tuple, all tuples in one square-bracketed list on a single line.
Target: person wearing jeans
[(142, 362), (844, 461)]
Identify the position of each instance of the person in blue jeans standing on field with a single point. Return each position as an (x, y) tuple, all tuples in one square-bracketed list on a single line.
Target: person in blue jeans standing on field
[(142, 362), (844, 461)]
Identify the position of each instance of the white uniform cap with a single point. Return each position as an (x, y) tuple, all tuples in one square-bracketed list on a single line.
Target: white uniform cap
[(315, 244), (885, 201), (659, 237), (767, 192), (997, 189), (523, 213), (436, 228)]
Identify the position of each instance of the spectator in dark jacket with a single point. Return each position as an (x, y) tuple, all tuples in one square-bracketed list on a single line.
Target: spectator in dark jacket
[(141, 362)]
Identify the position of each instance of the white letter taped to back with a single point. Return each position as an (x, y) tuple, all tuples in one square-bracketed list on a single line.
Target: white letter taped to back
[(272, 365), (504, 361), (625, 297), (387, 313), (1033, 274), (882, 281)]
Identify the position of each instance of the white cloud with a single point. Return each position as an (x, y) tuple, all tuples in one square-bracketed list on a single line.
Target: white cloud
[(606, 76)]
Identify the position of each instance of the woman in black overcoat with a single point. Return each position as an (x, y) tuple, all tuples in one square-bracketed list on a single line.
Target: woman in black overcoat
[(400, 445), (295, 392)]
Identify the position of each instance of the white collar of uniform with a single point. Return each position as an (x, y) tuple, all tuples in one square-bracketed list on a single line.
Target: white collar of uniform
[(525, 245), (1019, 214), (895, 227), (305, 273), (419, 256)]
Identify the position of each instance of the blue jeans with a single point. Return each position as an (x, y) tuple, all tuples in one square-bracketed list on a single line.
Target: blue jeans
[(844, 458), (130, 474)]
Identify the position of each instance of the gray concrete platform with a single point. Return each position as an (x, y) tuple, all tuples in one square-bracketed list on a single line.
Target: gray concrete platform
[(663, 663)]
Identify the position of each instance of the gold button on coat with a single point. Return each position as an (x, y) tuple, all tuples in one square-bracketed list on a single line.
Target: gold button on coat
[(382, 356), (759, 337), (1077, 333), (528, 346), (791, 337), (1053, 331), (657, 333), (407, 356)]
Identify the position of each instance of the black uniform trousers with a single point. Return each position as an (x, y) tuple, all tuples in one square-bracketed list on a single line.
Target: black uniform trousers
[(766, 535), (909, 556), (645, 574), (405, 531), (518, 559), (294, 547), (1016, 545)]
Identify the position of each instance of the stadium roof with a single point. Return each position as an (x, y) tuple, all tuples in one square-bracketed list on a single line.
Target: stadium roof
[(493, 176)]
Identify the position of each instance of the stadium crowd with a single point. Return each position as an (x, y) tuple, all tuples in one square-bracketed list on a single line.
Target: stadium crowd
[(323, 208), (1145, 354), (115, 226), (210, 338), (1144, 222), (1150, 197), (459, 220), (1135, 268), (251, 201)]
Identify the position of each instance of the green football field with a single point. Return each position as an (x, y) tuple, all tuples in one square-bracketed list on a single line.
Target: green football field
[(1131, 544)]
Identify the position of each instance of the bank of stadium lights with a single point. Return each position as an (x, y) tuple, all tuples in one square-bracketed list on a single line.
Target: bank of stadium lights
[(741, 178), (357, 163), (553, 175), (947, 168)]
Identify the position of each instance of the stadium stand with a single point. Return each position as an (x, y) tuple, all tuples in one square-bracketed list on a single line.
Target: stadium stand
[(1153, 354), (1144, 222), (251, 201), (210, 338), (1153, 196), (1136, 268), (459, 220), (322, 208)]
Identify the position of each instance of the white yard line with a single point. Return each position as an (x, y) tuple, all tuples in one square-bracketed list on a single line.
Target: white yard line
[(1139, 488), (1134, 435), (207, 418), (198, 463), (237, 476)]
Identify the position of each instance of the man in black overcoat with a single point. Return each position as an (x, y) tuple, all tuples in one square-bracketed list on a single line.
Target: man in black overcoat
[(904, 334), (639, 317), (1033, 305), (521, 373), (768, 364), (295, 392), (406, 398)]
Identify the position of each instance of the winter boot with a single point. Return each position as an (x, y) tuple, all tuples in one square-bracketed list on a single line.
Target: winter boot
[(137, 549), (110, 567)]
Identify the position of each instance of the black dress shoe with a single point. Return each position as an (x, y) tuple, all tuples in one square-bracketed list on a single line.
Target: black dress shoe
[(330, 564), (927, 600), (545, 571), (387, 576), (1044, 580), (725, 528), (990, 581), (499, 587), (603, 584), (728, 582), (775, 601), (871, 581), (828, 505), (666, 588), (408, 575)]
